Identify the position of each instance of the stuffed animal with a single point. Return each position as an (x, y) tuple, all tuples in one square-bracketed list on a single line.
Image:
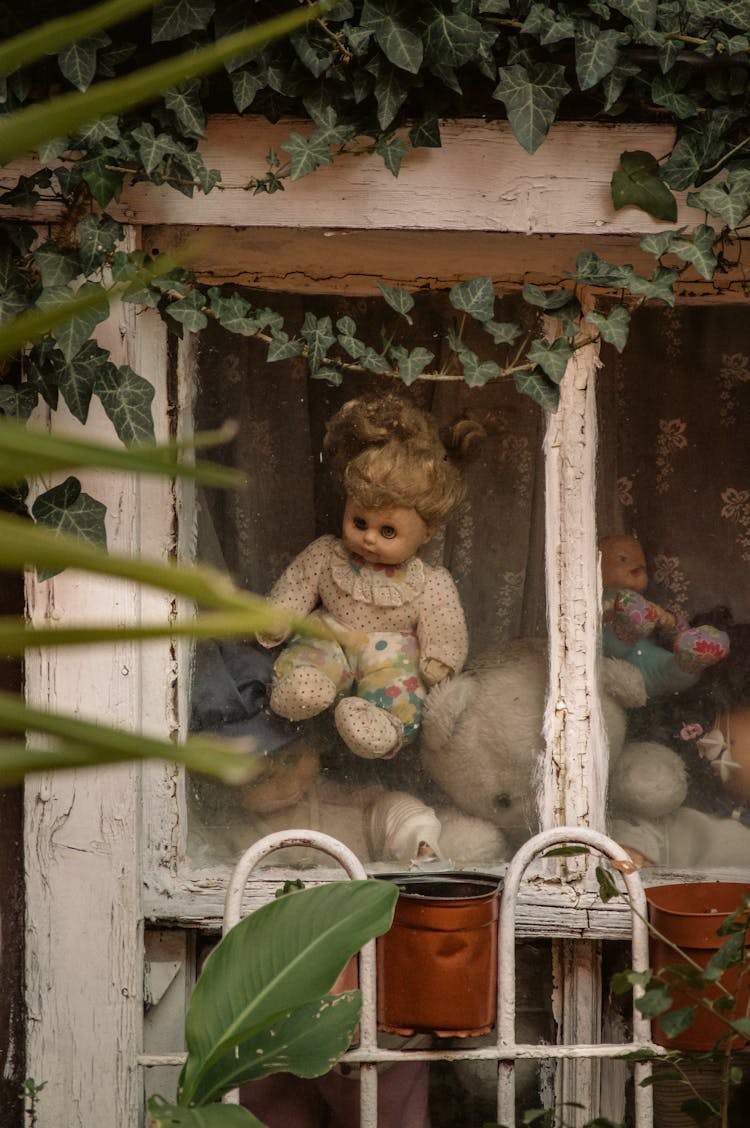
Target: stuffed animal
[(380, 824), (395, 623), (482, 742), (710, 725), (670, 654)]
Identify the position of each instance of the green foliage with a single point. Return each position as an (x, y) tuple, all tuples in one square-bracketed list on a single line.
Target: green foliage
[(262, 1005)]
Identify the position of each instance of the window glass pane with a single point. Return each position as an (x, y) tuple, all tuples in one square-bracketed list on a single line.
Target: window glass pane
[(675, 473), (492, 547)]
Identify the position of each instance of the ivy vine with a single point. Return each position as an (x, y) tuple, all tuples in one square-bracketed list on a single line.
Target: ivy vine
[(370, 75)]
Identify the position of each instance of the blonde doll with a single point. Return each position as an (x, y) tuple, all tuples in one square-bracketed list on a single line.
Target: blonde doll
[(397, 623)]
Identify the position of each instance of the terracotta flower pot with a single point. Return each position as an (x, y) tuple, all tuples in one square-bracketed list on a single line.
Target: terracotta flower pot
[(689, 915), (437, 964)]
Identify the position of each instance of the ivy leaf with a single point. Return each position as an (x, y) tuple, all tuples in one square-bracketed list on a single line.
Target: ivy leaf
[(45, 362), (71, 335), (306, 155), (730, 201), (373, 361), (152, 149), (67, 509), (398, 299), (232, 313), (537, 387), (597, 52), (313, 50), (699, 251), (547, 299), (172, 19), (318, 334), (426, 134), (399, 44), (660, 285), (104, 182), (552, 359), (476, 297), (97, 238), (502, 332), (613, 329), (412, 364), (699, 1109), (392, 150), (666, 91), (637, 183), (592, 270), (450, 37), (78, 376), (281, 347), (188, 311), (660, 242), (678, 1020), (349, 342), (55, 267), (641, 13), (18, 403), (476, 372), (78, 63), (185, 103), (531, 95), (245, 85), (390, 91), (126, 398)]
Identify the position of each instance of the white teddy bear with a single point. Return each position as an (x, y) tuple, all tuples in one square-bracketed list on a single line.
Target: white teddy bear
[(482, 743)]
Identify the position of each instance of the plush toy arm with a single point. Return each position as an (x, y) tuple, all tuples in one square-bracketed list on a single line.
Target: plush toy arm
[(441, 629), (297, 587), (647, 781)]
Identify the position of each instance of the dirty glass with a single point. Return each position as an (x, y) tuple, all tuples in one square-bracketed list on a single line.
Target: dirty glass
[(466, 793), (674, 493)]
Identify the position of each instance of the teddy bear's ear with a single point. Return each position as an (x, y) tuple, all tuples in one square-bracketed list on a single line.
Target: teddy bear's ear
[(623, 682)]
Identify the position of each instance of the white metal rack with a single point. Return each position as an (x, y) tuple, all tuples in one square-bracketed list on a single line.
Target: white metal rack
[(506, 1051)]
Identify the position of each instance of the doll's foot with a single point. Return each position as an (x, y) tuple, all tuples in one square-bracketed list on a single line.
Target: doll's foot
[(632, 617), (303, 692), (700, 647), (366, 730)]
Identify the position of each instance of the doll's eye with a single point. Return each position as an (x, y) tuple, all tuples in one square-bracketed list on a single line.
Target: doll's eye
[(359, 523), (387, 531), (503, 800)]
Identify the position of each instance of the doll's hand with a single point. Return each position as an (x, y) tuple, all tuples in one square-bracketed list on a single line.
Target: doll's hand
[(434, 671)]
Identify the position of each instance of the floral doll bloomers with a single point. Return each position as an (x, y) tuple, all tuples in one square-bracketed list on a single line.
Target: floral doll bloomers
[(396, 623)]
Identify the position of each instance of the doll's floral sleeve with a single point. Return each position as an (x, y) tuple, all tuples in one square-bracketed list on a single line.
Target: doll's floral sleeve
[(297, 587), (441, 629)]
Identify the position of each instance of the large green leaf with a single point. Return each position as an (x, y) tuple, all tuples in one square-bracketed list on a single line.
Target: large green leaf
[(637, 183), (400, 45), (307, 1041), (285, 955), (165, 1115), (79, 743), (26, 128), (452, 37), (25, 452), (531, 96), (730, 201)]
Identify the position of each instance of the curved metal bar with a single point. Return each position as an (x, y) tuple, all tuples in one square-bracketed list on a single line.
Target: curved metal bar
[(506, 978), (355, 870)]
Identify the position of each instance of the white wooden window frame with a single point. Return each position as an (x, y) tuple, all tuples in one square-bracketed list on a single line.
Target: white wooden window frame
[(105, 847)]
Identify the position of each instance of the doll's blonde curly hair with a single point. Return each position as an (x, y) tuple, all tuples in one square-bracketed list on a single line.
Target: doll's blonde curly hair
[(390, 454)]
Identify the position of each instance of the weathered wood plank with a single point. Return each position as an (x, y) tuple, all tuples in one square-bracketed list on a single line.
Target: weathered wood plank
[(480, 180)]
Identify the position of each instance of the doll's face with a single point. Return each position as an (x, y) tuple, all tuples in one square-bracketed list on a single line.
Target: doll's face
[(735, 727), (383, 536), (623, 564)]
